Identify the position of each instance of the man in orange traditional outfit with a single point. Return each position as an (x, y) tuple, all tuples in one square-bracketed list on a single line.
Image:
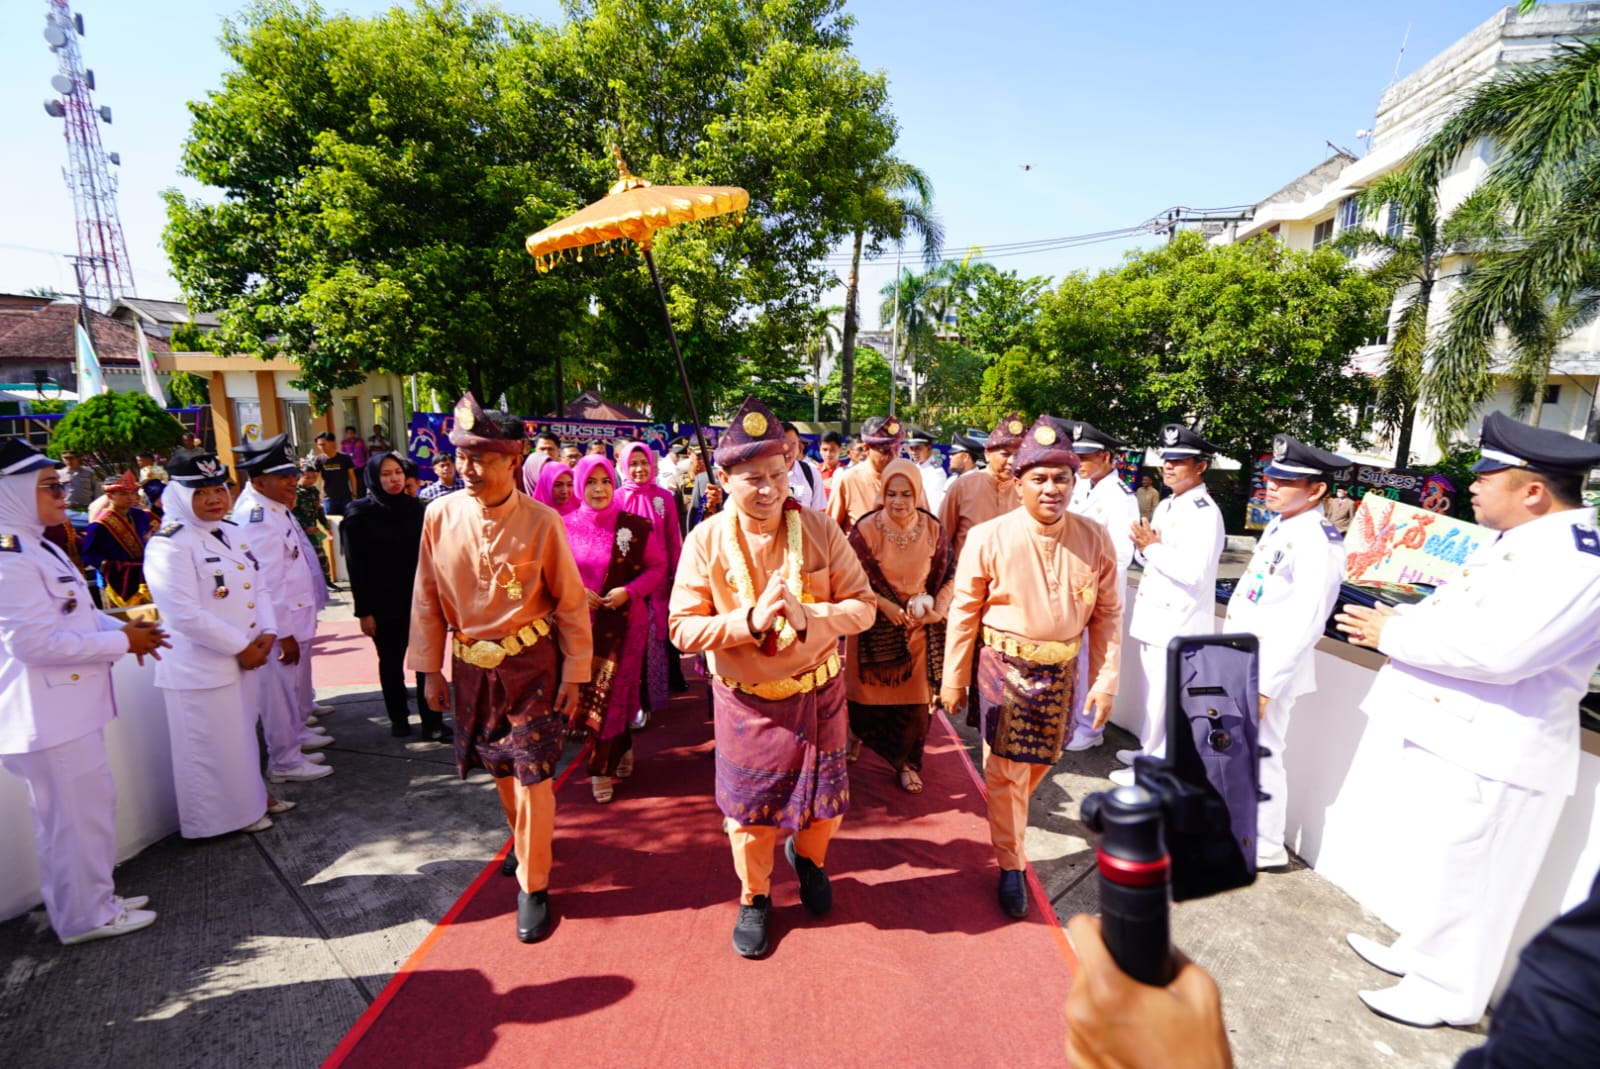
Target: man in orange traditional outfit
[(1030, 586), (987, 494), (766, 589), (495, 570), (855, 491)]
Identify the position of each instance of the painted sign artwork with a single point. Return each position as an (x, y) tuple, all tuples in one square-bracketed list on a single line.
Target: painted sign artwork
[(1392, 542)]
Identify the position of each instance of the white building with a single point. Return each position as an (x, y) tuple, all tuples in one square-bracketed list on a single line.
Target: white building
[(1317, 206)]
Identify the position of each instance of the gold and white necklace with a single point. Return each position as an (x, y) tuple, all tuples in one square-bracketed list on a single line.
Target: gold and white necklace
[(739, 567)]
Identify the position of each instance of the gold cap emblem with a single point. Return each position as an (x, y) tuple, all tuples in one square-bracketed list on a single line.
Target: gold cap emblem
[(892, 427), (1015, 426), (464, 417), (754, 424), (1045, 435)]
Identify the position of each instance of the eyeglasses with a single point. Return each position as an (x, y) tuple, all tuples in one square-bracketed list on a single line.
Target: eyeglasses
[(54, 488)]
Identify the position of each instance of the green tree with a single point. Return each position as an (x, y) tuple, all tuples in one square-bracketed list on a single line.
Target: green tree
[(188, 390), (1243, 340), (871, 385), (999, 310), (889, 199), (112, 428), (1545, 174)]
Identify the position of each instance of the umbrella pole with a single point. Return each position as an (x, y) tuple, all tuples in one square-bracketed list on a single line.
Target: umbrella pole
[(677, 354)]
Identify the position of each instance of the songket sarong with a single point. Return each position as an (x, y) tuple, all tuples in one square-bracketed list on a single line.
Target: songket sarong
[(1025, 706), (781, 763), (505, 717)]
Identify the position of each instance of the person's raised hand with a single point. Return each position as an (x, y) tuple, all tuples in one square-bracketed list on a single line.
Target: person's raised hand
[(769, 605), (1364, 626), (1115, 1022)]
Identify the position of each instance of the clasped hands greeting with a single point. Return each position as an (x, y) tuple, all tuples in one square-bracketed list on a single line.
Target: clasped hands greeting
[(145, 637), (615, 598), (776, 601)]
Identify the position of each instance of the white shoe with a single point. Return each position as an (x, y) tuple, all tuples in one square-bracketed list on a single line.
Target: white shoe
[(641, 720), (317, 758), (321, 710), (1277, 859), (1085, 742), (1127, 756), (260, 825), (316, 729), (310, 721), (1377, 955), (299, 774), (279, 805), (1123, 777), (126, 920), (1403, 1004), (131, 902), (317, 743)]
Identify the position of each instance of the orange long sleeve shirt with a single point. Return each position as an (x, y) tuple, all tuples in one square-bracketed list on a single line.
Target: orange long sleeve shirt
[(706, 615), (472, 558), (971, 500), (1040, 583), (854, 494)]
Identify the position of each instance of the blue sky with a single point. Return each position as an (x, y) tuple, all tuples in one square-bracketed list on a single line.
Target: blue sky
[(1118, 111)]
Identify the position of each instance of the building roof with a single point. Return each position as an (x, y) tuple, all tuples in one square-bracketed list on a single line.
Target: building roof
[(163, 314), (589, 405), (47, 334)]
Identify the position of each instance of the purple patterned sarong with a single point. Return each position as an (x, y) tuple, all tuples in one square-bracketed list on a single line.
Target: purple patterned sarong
[(505, 719), (1026, 707), (782, 763)]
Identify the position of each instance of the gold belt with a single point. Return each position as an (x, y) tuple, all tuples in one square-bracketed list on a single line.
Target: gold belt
[(1037, 652), (779, 689), (488, 653)]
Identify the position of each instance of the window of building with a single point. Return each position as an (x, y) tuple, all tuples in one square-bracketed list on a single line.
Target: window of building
[(1349, 214), (1552, 395), (1397, 225), (1322, 234)]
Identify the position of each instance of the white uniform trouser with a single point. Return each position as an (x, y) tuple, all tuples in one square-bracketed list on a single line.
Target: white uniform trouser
[(1474, 847), (280, 722), (1083, 729), (216, 764), (1153, 732), (74, 804), (304, 692), (1273, 812)]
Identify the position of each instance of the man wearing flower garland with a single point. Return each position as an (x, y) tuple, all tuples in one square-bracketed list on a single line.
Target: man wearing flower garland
[(855, 493), (766, 589), (1031, 587), (497, 586)]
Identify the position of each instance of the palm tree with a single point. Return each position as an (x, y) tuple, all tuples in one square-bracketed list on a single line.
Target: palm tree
[(1408, 253), (894, 197), (1545, 178), (821, 335), (909, 307)]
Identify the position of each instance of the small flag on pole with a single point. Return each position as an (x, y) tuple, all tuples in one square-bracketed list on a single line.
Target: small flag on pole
[(147, 368), (91, 382)]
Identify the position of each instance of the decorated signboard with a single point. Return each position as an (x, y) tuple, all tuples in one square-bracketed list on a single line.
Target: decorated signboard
[(1393, 542)]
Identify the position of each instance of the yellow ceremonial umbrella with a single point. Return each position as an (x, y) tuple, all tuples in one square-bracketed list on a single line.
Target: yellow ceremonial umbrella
[(632, 212)]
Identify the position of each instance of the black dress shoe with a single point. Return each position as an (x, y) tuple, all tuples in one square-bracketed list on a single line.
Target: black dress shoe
[(508, 867), (1013, 893), (437, 733), (816, 893), (533, 915), (400, 730), (750, 933)]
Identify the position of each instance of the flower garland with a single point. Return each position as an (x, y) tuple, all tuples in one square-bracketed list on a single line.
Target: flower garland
[(782, 634)]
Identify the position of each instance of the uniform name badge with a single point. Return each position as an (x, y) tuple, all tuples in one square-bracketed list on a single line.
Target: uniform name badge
[(221, 591)]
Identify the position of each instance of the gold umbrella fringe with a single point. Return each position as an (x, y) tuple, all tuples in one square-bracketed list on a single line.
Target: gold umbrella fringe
[(620, 246)]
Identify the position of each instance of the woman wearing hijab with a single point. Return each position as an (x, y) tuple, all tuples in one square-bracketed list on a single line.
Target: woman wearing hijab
[(620, 564), (555, 488), (208, 587), (382, 536), (56, 654), (894, 667), (531, 466), (640, 496)]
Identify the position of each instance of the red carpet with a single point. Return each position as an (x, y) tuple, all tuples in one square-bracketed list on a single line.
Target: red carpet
[(342, 656), (916, 965)]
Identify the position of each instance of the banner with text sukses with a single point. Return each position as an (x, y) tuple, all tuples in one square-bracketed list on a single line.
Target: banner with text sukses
[(430, 434)]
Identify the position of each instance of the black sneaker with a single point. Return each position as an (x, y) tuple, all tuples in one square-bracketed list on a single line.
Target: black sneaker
[(400, 730), (438, 733), (816, 893), (508, 867), (1013, 893), (750, 932), (533, 915)]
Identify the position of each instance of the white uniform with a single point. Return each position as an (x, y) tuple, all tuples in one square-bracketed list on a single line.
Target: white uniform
[(1485, 678), (1284, 598), (56, 652), (272, 534), (805, 484), (934, 482), (209, 591), (1177, 596), (1111, 504)]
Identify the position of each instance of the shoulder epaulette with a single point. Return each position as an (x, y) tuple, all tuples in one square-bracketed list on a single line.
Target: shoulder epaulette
[(1201, 502), (9, 544), (1587, 539), (258, 514), (1125, 487), (1331, 531), (169, 529)]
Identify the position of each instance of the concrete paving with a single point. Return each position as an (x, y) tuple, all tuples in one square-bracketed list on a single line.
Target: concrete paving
[(269, 947)]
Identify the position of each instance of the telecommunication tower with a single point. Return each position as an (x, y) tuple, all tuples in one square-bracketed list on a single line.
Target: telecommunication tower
[(103, 271)]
